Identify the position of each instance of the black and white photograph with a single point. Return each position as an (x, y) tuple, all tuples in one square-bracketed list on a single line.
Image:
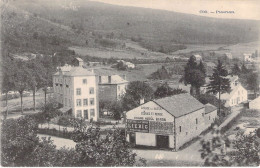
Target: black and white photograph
[(130, 83)]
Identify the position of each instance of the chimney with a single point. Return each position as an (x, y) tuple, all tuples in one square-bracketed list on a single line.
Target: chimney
[(141, 101), (109, 79), (124, 77)]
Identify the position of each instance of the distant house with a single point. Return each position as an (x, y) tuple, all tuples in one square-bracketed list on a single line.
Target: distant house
[(248, 57), (228, 55), (255, 104), (129, 65), (77, 62), (237, 95), (198, 57), (168, 122), (111, 86)]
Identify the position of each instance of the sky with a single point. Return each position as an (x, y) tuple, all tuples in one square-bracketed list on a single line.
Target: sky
[(243, 9)]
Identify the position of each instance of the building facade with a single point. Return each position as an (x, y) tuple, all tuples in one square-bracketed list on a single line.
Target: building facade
[(168, 122), (76, 89), (111, 87), (237, 95)]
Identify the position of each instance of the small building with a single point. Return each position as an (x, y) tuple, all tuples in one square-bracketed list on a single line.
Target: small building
[(168, 122), (228, 55), (129, 65), (77, 62), (255, 104), (236, 96), (111, 86), (248, 57), (76, 89), (198, 57)]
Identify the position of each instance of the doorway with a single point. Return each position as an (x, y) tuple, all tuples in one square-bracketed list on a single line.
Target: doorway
[(162, 141), (132, 138)]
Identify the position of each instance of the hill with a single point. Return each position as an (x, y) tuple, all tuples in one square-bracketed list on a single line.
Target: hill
[(50, 26), (140, 23)]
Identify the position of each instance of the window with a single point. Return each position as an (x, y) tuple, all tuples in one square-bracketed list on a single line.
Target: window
[(78, 102), (91, 101), (202, 114), (118, 88), (91, 90), (86, 114), (180, 128), (196, 121), (186, 133), (79, 113), (84, 81), (85, 102), (67, 86), (209, 117), (92, 112), (78, 92), (99, 79)]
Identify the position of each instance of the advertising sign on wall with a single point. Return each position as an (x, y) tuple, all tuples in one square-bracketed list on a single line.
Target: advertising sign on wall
[(150, 126), (161, 127), (138, 125)]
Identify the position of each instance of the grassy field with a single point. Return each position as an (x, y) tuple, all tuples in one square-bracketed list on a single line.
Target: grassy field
[(247, 122), (129, 53), (14, 105), (237, 50)]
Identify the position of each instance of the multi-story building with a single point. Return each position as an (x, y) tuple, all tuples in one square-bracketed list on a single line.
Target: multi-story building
[(76, 89), (111, 86), (168, 122)]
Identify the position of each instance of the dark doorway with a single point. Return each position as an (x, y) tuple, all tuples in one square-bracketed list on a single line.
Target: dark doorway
[(162, 141), (132, 138)]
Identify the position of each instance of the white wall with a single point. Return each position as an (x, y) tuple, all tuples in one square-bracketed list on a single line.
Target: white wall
[(149, 111), (238, 96), (147, 139), (189, 126), (78, 83)]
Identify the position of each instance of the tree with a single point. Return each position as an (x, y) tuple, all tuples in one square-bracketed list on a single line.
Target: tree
[(36, 77), (136, 91), (165, 90), (202, 68), (218, 82), (95, 150), (236, 70), (116, 108), (7, 80), (244, 70), (21, 79), (121, 66), (220, 151), (194, 75), (20, 146), (253, 82), (161, 74)]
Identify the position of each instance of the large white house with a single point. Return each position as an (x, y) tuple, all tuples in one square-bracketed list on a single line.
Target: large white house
[(168, 122), (237, 95), (76, 89)]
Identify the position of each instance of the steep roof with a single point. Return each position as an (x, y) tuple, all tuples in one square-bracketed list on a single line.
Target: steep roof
[(209, 108), (179, 105)]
